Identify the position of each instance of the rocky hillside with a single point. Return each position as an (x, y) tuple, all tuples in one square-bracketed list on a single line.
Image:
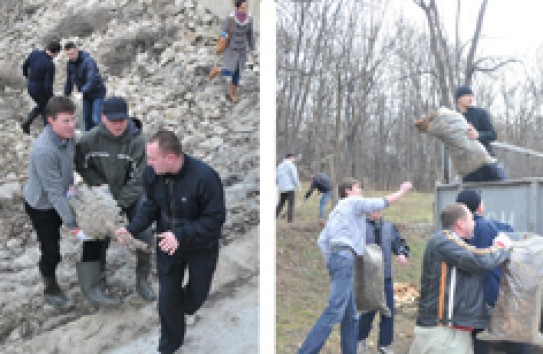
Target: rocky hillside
[(155, 53)]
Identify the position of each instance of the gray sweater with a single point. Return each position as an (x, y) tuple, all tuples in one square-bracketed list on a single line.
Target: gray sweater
[(50, 174)]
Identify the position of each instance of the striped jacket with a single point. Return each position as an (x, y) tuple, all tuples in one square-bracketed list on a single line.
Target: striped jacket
[(452, 282)]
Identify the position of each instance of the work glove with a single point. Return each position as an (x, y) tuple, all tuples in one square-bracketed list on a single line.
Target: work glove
[(502, 241)]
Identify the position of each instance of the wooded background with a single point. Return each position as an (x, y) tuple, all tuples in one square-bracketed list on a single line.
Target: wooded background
[(350, 84)]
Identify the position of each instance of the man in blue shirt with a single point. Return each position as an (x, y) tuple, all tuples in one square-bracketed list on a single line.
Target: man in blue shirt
[(342, 239)]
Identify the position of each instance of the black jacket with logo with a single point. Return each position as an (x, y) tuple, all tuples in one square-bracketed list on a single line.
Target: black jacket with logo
[(452, 282), (190, 203)]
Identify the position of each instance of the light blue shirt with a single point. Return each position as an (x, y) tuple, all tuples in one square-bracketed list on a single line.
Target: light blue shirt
[(287, 176), (346, 226)]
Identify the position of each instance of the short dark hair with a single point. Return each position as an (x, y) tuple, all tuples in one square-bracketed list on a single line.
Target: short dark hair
[(69, 45), (59, 104), (289, 155), (347, 184), (167, 142), (54, 46), (238, 3), (451, 214)]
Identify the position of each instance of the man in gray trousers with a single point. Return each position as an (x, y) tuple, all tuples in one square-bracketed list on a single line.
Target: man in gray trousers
[(50, 177)]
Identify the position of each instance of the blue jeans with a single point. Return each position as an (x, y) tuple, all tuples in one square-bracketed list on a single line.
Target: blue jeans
[(325, 197), (341, 307), (235, 76), (386, 327), (92, 112)]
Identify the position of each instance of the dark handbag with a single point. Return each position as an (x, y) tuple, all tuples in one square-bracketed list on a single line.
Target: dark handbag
[(222, 42)]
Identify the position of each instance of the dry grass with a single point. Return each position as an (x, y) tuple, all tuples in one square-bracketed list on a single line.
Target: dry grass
[(302, 279)]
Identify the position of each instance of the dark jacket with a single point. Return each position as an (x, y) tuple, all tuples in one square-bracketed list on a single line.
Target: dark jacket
[(389, 239), (118, 161), (189, 203), (483, 236), (85, 75), (451, 271), (478, 117), (39, 69), (321, 183)]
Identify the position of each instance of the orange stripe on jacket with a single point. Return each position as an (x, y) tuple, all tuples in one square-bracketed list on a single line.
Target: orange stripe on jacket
[(442, 293)]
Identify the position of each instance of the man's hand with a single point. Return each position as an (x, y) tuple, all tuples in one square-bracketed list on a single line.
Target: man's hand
[(472, 132), (168, 242), (402, 259), (406, 187), (120, 233), (502, 241)]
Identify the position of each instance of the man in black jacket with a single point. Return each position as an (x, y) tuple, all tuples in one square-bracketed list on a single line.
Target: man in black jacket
[(83, 72), (479, 127), (451, 303), (39, 69), (320, 182), (185, 198)]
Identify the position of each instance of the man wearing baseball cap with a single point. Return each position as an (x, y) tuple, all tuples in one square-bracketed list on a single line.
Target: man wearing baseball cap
[(113, 153)]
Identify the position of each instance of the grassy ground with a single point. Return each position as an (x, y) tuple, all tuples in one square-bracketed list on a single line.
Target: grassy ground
[(302, 279)]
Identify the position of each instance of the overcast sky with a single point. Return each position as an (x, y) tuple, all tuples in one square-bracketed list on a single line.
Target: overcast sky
[(510, 28)]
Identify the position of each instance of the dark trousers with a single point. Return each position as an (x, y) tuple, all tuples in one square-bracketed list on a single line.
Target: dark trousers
[(483, 347), (174, 300), (47, 225), (386, 327), (96, 250), (492, 172), (284, 197), (41, 101)]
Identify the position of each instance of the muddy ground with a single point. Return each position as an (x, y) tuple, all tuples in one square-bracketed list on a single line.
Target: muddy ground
[(29, 325)]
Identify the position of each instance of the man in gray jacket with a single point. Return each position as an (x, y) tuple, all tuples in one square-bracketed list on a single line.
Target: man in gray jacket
[(287, 182), (50, 176)]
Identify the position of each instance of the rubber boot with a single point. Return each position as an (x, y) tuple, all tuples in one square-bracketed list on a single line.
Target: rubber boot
[(27, 122), (214, 72), (143, 268), (54, 296), (232, 94), (103, 253), (88, 274)]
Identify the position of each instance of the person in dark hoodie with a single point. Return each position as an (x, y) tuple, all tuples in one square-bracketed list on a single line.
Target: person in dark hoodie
[(113, 154), (39, 70), (484, 233), (83, 72), (185, 197), (320, 182)]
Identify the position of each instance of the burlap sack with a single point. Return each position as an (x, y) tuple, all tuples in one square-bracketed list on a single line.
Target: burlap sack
[(96, 212), (370, 281), (517, 315), (450, 127)]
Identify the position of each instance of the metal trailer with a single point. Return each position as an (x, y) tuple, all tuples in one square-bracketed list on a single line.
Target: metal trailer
[(518, 202)]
